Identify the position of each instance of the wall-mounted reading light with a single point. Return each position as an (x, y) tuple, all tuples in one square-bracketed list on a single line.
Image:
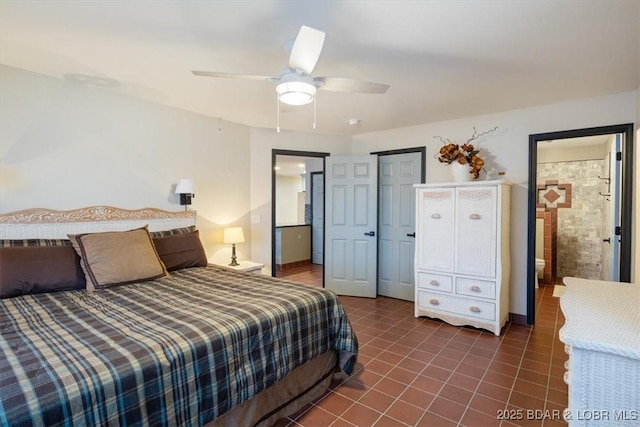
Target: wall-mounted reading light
[(186, 190)]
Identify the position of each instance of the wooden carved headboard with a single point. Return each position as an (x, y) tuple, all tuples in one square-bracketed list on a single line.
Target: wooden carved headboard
[(51, 224)]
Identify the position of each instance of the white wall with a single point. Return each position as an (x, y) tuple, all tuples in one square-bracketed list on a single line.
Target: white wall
[(507, 150), (287, 189), (263, 141), (66, 146)]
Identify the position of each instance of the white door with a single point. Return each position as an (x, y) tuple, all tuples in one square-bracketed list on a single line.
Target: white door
[(351, 199), (396, 223), (317, 217)]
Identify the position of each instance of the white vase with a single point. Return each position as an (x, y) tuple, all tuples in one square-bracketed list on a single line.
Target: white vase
[(460, 173)]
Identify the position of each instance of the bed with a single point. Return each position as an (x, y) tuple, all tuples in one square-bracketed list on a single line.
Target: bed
[(131, 342)]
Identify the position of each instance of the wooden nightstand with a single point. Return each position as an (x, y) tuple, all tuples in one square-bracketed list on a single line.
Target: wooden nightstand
[(247, 266)]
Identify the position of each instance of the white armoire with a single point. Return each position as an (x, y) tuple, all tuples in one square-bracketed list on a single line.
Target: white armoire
[(462, 253)]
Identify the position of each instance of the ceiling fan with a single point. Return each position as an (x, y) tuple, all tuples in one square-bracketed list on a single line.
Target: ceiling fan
[(296, 86)]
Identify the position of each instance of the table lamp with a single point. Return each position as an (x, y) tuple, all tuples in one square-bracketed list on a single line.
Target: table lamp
[(233, 235)]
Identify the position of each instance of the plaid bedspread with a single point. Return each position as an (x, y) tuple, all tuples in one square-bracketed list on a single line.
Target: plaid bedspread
[(180, 350)]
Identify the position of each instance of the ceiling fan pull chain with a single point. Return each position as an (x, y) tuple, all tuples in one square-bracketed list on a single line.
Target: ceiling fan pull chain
[(314, 111), (277, 113)]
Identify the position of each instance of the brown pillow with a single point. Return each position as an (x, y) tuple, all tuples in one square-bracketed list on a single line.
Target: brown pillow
[(181, 251), (35, 269), (117, 257)]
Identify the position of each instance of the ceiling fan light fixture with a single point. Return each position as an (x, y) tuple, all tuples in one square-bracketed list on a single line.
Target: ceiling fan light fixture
[(296, 93)]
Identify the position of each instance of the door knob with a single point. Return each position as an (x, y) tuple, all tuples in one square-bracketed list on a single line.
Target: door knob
[(411, 234), (607, 240), (371, 233)]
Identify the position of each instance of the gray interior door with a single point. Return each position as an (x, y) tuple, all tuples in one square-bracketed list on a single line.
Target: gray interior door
[(351, 198), (396, 223)]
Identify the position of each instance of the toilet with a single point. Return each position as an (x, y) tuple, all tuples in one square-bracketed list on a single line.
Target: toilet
[(539, 268)]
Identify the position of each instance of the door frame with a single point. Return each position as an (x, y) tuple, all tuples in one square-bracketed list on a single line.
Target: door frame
[(275, 152), (626, 200)]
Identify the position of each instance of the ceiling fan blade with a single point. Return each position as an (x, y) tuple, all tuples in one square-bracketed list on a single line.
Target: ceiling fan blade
[(232, 75), (339, 84), (306, 49)]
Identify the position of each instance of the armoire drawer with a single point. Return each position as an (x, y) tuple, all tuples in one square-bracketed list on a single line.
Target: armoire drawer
[(460, 306), (476, 288), (436, 282)]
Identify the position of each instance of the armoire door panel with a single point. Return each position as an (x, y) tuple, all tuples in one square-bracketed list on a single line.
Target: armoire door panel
[(435, 243), (476, 231)]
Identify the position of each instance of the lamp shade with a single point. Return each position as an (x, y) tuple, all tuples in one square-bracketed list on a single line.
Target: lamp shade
[(233, 235), (296, 93), (185, 186)]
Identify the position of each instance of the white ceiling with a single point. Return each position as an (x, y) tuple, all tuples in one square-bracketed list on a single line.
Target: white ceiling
[(443, 59)]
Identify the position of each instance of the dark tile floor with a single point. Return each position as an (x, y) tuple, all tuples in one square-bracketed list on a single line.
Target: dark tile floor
[(423, 372), (310, 274)]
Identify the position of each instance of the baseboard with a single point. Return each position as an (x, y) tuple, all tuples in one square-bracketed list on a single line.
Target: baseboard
[(293, 264)]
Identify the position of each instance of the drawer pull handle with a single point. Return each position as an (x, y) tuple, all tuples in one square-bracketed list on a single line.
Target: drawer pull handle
[(475, 288), (435, 216), (435, 283), (474, 309), (434, 302), (474, 216)]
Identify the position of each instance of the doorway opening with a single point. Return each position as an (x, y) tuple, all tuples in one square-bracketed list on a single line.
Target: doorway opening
[(580, 196), (295, 235)]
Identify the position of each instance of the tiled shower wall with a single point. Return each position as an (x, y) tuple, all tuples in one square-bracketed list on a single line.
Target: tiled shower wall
[(579, 236)]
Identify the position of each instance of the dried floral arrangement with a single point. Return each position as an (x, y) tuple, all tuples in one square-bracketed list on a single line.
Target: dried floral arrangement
[(465, 154)]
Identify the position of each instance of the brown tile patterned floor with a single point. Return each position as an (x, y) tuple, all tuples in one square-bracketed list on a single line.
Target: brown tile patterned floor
[(310, 274), (423, 372)]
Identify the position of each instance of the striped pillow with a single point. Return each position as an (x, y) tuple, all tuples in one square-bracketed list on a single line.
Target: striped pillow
[(5, 243), (172, 232)]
